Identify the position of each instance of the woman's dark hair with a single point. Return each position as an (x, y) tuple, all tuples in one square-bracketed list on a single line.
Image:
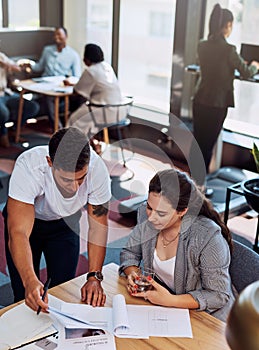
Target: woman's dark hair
[(93, 53), (69, 149), (181, 192), (218, 20)]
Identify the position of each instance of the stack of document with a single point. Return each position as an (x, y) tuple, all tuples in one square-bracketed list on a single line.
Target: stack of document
[(21, 325), (80, 326), (124, 321)]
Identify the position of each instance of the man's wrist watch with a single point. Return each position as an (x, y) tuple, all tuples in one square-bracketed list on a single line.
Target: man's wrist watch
[(97, 274)]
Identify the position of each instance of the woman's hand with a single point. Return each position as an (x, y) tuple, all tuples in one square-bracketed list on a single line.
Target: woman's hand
[(131, 285), (255, 63), (157, 295)]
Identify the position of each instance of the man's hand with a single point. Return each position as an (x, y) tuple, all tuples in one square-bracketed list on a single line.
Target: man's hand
[(92, 293), (70, 81), (33, 296)]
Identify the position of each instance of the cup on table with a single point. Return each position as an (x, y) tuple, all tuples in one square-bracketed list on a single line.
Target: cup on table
[(143, 280)]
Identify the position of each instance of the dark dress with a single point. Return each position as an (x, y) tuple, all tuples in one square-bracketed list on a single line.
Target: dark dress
[(214, 92)]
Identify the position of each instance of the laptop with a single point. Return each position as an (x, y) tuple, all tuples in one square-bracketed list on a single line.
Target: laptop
[(249, 52)]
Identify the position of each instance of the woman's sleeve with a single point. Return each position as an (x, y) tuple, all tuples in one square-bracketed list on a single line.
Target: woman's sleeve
[(214, 269), (131, 254), (238, 63)]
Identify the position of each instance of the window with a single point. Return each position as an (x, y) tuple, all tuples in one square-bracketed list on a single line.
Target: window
[(99, 25), (23, 14), (160, 24), (145, 51)]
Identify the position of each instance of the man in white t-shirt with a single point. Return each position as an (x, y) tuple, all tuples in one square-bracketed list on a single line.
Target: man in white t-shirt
[(48, 188)]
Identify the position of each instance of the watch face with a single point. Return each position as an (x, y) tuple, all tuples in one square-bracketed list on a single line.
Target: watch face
[(99, 275)]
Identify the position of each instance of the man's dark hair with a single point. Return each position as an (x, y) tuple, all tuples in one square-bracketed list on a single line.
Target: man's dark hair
[(69, 149), (63, 28), (93, 53)]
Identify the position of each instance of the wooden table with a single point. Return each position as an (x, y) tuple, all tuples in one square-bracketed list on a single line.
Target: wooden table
[(48, 87), (208, 332)]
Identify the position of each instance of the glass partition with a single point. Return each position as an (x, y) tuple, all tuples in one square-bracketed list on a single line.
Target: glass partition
[(145, 51), (23, 14)]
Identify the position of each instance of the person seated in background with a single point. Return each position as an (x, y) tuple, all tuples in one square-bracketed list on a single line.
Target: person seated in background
[(58, 59), (9, 100), (185, 243), (97, 84)]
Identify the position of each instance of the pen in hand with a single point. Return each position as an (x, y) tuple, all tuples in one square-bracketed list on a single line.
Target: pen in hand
[(45, 289)]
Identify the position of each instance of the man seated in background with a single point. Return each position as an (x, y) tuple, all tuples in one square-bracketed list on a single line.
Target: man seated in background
[(58, 59), (97, 84), (9, 100)]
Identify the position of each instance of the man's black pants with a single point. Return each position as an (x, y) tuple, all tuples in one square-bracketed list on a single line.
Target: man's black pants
[(59, 241)]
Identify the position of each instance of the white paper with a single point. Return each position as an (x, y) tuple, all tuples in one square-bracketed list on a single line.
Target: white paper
[(38, 87), (53, 83), (54, 79), (126, 324), (126, 321), (21, 325), (99, 342), (87, 316), (165, 321)]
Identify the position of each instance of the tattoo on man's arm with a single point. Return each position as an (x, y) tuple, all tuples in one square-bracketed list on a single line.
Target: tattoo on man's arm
[(100, 210)]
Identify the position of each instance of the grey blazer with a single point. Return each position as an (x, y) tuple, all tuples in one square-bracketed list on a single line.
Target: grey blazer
[(202, 262), (218, 61)]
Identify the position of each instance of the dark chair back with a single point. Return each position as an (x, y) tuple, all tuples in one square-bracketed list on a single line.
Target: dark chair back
[(244, 266)]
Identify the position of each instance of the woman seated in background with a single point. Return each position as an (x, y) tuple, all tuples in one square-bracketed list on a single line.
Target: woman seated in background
[(185, 243)]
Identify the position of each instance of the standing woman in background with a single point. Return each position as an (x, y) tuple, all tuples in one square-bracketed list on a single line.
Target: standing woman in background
[(214, 92)]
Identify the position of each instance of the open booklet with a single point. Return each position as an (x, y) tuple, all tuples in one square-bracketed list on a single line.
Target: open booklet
[(21, 325), (124, 321)]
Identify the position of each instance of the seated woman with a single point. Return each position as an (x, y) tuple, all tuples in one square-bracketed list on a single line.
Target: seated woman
[(186, 244)]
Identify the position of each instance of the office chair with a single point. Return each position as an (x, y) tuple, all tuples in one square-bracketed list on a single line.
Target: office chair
[(108, 117), (244, 266)]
